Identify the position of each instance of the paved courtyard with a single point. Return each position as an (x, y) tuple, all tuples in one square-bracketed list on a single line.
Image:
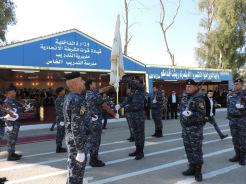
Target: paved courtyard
[(163, 163)]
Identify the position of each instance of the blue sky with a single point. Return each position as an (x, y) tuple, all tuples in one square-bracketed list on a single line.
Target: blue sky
[(97, 19)]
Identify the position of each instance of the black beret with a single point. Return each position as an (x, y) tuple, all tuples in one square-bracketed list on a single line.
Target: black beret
[(59, 89), (190, 82), (72, 75), (238, 80)]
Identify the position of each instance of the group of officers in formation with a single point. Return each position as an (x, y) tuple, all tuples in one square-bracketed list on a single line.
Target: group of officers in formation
[(79, 121)]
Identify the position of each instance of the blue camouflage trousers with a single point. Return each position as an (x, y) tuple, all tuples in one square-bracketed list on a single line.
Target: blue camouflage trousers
[(60, 134), (12, 137), (75, 169), (238, 133), (95, 138), (129, 122), (138, 123), (157, 117), (192, 139)]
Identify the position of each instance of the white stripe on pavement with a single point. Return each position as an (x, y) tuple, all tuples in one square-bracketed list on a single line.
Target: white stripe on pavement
[(110, 162), (156, 168), (112, 143), (21, 166), (211, 174)]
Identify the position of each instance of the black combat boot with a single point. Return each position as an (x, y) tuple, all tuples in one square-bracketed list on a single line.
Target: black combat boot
[(13, 157), (60, 149), (236, 158), (190, 171), (3, 179), (17, 155), (242, 159), (198, 173), (159, 134), (155, 134), (223, 136), (139, 153), (133, 154), (95, 162)]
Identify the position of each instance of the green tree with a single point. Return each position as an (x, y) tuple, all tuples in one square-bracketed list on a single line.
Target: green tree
[(7, 17), (223, 44)]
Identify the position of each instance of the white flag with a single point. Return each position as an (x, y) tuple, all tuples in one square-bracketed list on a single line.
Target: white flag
[(116, 56)]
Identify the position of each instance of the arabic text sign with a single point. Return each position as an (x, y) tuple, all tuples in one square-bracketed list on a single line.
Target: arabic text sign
[(183, 74), (70, 53)]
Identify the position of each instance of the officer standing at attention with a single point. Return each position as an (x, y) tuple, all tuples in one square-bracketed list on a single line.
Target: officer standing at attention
[(237, 120), (60, 91), (136, 109), (76, 119), (192, 118), (96, 103), (12, 126), (157, 101)]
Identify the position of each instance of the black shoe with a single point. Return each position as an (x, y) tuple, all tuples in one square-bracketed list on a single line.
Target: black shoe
[(236, 158), (96, 163), (60, 149), (12, 157), (139, 153), (198, 173), (155, 134), (104, 128), (139, 156), (223, 136), (190, 171), (128, 138), (133, 154), (17, 155), (159, 134), (2, 180), (51, 129)]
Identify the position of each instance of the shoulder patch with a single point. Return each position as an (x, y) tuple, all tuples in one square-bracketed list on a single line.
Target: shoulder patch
[(82, 110)]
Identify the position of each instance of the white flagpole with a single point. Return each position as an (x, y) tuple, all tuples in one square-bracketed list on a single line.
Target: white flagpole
[(117, 89)]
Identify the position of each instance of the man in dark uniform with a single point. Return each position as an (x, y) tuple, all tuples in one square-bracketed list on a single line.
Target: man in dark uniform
[(236, 111), (157, 102), (76, 119), (12, 126), (192, 118), (173, 104), (96, 103), (60, 92), (136, 109)]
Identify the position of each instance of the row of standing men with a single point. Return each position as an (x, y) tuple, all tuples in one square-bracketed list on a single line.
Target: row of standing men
[(80, 122)]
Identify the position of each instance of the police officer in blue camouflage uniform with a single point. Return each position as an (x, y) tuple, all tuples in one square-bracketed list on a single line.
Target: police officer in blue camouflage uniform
[(136, 109), (156, 104), (12, 126), (76, 119), (60, 91), (97, 104), (236, 109), (192, 118)]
